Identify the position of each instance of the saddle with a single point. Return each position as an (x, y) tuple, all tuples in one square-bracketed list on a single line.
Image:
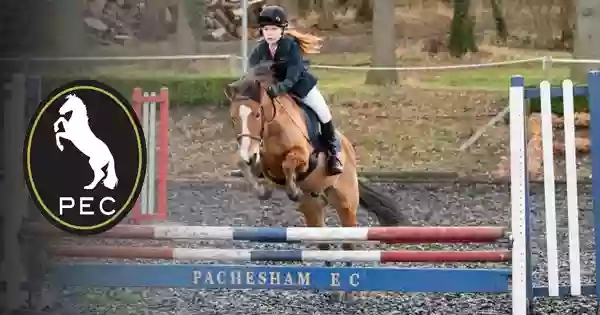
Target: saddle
[(313, 125)]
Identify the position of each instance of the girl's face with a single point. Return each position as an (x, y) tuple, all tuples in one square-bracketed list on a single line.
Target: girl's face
[(272, 33)]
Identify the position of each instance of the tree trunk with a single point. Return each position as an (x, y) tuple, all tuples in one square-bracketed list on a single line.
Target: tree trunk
[(69, 33), (291, 7), (186, 42), (383, 44), (326, 19), (150, 27), (567, 23), (462, 36), (364, 11), (587, 39), (501, 29), (195, 11), (304, 7)]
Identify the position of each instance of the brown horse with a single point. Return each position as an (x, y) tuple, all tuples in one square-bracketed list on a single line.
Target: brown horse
[(277, 140)]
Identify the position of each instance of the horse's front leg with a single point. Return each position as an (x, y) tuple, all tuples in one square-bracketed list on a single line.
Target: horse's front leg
[(292, 164), (249, 172), (60, 120), (61, 135)]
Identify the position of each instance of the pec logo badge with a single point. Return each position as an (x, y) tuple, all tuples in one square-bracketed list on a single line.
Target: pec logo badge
[(85, 157)]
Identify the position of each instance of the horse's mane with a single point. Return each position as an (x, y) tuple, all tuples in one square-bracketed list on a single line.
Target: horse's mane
[(75, 98), (247, 84), (261, 72)]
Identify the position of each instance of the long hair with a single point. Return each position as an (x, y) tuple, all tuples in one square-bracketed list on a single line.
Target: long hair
[(309, 44)]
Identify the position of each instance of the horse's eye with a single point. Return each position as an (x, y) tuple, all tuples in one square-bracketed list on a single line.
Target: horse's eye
[(257, 114)]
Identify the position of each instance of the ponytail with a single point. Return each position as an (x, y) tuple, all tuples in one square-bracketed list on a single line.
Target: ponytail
[(309, 44)]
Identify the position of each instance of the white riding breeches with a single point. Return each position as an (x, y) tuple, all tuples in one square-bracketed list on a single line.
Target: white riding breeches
[(316, 101)]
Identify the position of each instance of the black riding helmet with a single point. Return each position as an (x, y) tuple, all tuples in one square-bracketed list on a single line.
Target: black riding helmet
[(273, 15)]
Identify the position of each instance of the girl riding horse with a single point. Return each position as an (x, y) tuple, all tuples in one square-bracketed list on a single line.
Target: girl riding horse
[(287, 50)]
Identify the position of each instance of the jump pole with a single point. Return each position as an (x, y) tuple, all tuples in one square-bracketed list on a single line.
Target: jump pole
[(390, 235), (248, 255)]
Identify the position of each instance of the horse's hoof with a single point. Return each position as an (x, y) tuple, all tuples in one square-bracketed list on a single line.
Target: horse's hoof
[(265, 193), (294, 195), (337, 297)]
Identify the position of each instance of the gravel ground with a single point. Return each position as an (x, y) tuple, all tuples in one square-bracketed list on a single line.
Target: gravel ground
[(222, 204)]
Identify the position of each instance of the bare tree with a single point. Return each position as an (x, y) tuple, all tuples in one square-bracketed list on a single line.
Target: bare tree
[(292, 7), (364, 10), (567, 23), (587, 39), (462, 36), (152, 23), (186, 42), (326, 18), (501, 29), (68, 31), (383, 43)]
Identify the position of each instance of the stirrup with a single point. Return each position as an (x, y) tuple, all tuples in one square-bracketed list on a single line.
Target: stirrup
[(334, 159)]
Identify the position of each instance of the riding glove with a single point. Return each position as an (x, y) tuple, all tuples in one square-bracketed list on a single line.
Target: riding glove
[(276, 90)]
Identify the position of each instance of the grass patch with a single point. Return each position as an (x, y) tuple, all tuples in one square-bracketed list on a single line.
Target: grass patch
[(185, 89), (490, 79)]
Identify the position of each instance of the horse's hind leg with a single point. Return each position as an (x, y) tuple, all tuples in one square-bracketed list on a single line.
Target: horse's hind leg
[(313, 209), (96, 166), (291, 165)]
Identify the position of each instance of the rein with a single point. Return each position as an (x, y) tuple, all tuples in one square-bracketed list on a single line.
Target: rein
[(265, 122)]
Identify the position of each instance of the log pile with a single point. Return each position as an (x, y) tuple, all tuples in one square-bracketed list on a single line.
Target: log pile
[(224, 18), (114, 21), (534, 144)]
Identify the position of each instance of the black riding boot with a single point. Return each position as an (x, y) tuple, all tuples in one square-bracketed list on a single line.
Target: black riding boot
[(334, 163)]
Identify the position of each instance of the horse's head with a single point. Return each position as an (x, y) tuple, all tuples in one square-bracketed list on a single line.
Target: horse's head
[(71, 104), (250, 108)]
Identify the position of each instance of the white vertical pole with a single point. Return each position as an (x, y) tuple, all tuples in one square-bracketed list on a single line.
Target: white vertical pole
[(151, 181), (571, 172), (518, 192), (549, 187), (146, 127)]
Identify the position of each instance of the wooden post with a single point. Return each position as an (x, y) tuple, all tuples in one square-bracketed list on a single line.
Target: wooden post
[(587, 38), (16, 194)]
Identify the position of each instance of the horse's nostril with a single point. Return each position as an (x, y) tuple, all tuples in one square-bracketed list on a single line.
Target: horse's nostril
[(252, 159)]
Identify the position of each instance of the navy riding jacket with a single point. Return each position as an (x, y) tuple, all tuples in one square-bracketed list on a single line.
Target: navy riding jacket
[(290, 67)]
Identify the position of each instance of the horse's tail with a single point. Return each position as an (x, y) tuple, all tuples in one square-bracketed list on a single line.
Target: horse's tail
[(111, 180), (383, 206)]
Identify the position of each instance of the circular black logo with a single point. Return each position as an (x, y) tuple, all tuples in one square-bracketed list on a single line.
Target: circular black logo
[(85, 157)]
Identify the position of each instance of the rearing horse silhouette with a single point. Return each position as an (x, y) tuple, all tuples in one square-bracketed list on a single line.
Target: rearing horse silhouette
[(77, 130), (279, 139)]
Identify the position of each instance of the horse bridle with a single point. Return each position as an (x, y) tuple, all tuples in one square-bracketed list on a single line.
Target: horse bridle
[(263, 122)]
